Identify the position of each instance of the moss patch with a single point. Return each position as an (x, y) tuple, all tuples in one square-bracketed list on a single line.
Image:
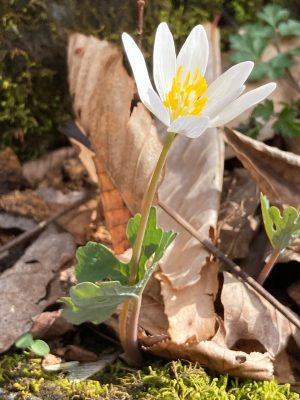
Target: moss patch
[(23, 376)]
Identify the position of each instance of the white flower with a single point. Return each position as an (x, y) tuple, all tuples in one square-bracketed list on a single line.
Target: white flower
[(185, 103)]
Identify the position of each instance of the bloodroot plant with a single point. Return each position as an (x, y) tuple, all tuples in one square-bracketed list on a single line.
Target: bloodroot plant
[(186, 105), (282, 230)]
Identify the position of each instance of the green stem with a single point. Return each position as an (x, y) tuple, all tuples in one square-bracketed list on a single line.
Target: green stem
[(128, 326), (265, 272), (148, 200)]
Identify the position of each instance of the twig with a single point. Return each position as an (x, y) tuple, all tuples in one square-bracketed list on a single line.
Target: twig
[(235, 269), (140, 24), (42, 225)]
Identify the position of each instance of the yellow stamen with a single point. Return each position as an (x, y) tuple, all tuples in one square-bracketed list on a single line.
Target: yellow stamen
[(186, 98)]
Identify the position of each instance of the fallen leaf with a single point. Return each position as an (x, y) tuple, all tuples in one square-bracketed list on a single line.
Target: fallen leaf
[(77, 353), (218, 357), (85, 370), (11, 176), (26, 203), (252, 317), (36, 171), (10, 221), (276, 172), (23, 288), (237, 223), (50, 325)]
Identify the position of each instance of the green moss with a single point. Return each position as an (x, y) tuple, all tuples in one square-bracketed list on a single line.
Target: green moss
[(23, 375)]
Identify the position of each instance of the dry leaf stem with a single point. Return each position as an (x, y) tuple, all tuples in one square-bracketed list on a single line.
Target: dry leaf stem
[(265, 272), (140, 24), (234, 269), (129, 331)]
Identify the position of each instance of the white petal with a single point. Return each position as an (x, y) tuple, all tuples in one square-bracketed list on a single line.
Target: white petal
[(164, 60), (213, 108), (241, 104), (146, 92), (191, 127), (194, 52), (230, 80)]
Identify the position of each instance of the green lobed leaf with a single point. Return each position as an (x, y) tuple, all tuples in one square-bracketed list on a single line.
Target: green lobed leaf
[(278, 64), (96, 262), (155, 242), (260, 70), (264, 110), (283, 229), (24, 341), (40, 348), (272, 14), (286, 124), (289, 28), (247, 47), (295, 51)]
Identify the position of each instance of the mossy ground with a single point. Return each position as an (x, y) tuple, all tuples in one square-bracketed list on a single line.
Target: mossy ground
[(23, 376)]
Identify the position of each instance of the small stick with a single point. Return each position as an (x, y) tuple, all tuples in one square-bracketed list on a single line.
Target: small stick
[(42, 225), (140, 24), (235, 269), (265, 272)]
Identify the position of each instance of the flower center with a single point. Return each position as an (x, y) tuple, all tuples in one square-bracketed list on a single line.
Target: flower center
[(185, 98)]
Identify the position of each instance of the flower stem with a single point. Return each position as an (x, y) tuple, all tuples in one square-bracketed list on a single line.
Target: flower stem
[(264, 273), (128, 325)]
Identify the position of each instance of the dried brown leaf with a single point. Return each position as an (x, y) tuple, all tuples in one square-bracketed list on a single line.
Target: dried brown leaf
[(237, 222), (276, 172), (23, 288), (218, 357), (11, 177), (190, 311)]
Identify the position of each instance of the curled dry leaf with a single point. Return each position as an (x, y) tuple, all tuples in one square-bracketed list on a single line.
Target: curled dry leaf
[(252, 318), (218, 357), (276, 172), (252, 322), (125, 143)]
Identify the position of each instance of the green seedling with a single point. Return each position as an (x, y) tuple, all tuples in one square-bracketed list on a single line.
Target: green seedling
[(38, 347), (281, 228)]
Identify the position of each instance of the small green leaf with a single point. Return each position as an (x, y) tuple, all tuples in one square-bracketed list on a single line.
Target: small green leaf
[(260, 70), (247, 46), (286, 124), (283, 229), (278, 64), (273, 14), (40, 348), (96, 262), (289, 28), (264, 110), (295, 51), (24, 341)]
